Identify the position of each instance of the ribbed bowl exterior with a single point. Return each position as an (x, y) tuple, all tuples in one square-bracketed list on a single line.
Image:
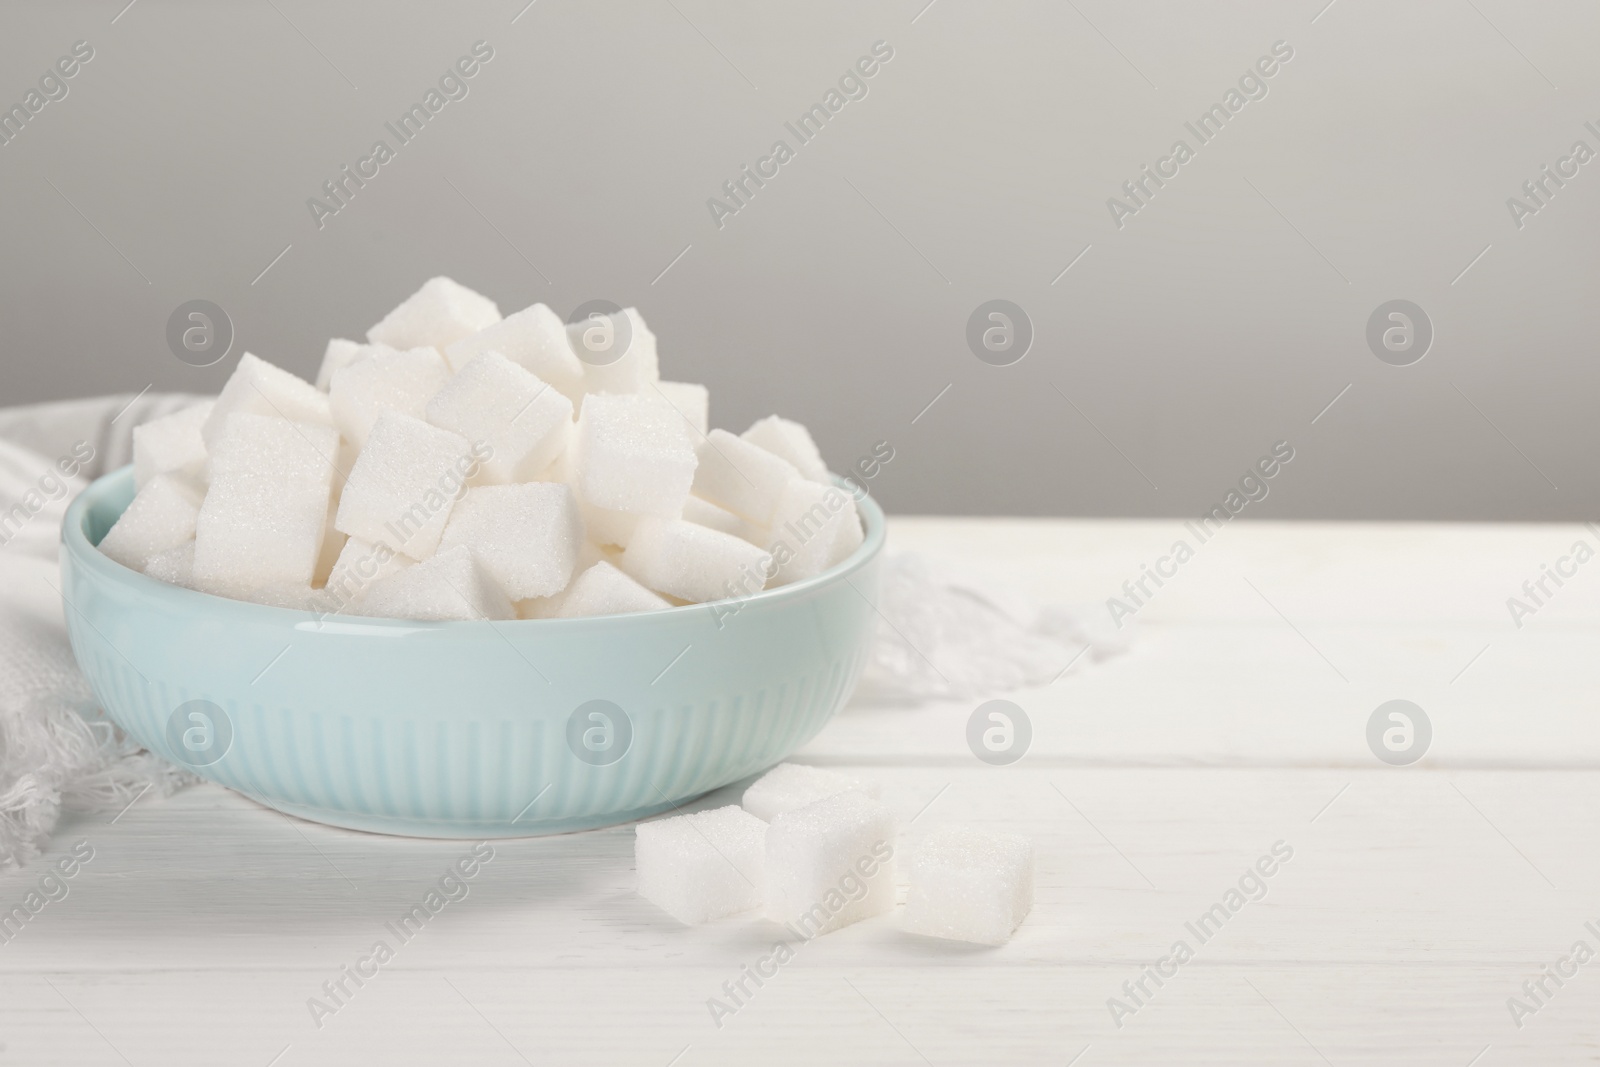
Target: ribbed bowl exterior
[(466, 729)]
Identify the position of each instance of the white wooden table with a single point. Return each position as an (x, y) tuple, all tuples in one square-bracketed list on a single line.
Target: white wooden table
[(1417, 901)]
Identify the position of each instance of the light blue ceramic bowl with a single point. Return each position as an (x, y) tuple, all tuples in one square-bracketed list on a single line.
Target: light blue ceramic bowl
[(463, 729)]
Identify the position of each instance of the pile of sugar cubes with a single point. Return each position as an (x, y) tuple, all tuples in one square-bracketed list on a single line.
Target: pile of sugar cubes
[(815, 851), (460, 465)]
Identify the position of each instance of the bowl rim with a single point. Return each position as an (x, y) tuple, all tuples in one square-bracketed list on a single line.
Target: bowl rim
[(75, 543)]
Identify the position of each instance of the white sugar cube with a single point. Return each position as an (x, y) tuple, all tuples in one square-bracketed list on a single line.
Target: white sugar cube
[(256, 387), (547, 607), (175, 566), (535, 339), (742, 477), (691, 401), (360, 566), (171, 443), (387, 380), (526, 422), (790, 441), (806, 526), (850, 536), (596, 341), (790, 786), (344, 464), (404, 483), (160, 517), (704, 513), (633, 454), (605, 590), (338, 355), (609, 527), (333, 542), (438, 315), (450, 586), (592, 552), (538, 607), (293, 597), (263, 519), (969, 883), (562, 469), (691, 562), (703, 865), (830, 864), (525, 536)]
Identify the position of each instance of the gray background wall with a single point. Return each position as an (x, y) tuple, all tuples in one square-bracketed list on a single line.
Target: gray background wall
[(1222, 318)]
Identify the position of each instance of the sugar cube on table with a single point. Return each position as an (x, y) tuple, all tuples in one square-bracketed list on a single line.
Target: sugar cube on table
[(632, 453), (256, 387), (692, 562), (437, 315), (742, 477), (161, 517), (535, 339), (806, 525), (171, 443), (703, 865), (450, 586), (525, 422), (605, 590), (830, 864), (404, 484), (791, 441), (387, 380), (175, 566), (526, 537), (360, 566), (338, 355), (263, 519), (691, 401), (704, 513), (597, 341), (789, 786), (969, 883)]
